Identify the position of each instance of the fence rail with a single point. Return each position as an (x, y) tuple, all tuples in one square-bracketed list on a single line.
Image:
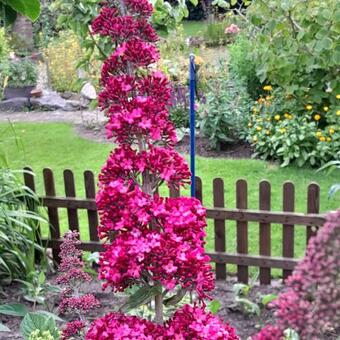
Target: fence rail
[(218, 213)]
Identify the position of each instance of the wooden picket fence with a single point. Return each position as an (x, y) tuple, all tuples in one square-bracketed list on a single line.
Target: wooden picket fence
[(219, 213)]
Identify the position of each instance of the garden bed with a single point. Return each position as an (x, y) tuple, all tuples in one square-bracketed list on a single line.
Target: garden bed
[(246, 325)]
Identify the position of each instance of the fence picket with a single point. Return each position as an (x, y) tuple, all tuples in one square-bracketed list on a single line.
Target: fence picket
[(198, 189), (242, 229), (288, 229), (30, 183), (92, 216), (53, 215), (265, 230), (219, 227), (313, 207), (70, 191)]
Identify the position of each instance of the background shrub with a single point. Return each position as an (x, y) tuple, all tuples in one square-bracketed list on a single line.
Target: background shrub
[(223, 116), (242, 65), (280, 129), (296, 46), (63, 54)]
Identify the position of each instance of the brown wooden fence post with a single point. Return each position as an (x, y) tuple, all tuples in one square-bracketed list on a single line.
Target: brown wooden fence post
[(92, 216), (288, 229), (242, 228), (70, 191), (265, 230), (30, 183), (219, 227), (313, 207), (52, 212), (199, 190)]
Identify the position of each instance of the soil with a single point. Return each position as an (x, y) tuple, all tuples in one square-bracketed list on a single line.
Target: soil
[(238, 150), (246, 325)]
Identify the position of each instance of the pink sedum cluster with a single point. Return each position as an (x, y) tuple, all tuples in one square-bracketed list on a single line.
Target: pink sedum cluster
[(187, 323), (148, 239), (311, 305), (71, 277)]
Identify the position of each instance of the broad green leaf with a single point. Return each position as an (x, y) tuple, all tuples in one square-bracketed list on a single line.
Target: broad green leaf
[(34, 321), (14, 309), (194, 2), (30, 9)]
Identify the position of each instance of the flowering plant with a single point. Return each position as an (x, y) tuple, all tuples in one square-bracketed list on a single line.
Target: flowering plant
[(311, 305), (152, 242)]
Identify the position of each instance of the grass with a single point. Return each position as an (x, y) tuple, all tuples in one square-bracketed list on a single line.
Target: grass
[(56, 146), (193, 28)]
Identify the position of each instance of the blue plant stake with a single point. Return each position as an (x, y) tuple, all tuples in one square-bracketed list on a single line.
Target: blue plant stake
[(192, 85)]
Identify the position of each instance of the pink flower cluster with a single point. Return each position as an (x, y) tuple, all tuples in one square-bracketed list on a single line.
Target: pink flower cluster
[(71, 276), (187, 323), (311, 305), (232, 29), (172, 252), (161, 239)]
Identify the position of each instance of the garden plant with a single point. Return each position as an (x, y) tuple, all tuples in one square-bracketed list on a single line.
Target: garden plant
[(152, 242)]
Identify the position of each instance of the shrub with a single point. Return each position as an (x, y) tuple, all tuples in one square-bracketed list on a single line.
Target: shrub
[(21, 73), (310, 306), (63, 54), (297, 47), (214, 33), (281, 129), (4, 47), (242, 65), (224, 115)]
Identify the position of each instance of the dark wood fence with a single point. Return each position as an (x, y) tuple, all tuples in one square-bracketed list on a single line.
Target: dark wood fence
[(219, 213)]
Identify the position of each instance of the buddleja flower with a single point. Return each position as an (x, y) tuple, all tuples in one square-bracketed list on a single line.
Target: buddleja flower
[(311, 305), (148, 239)]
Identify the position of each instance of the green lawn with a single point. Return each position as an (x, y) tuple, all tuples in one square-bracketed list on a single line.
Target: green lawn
[(56, 146), (193, 28)]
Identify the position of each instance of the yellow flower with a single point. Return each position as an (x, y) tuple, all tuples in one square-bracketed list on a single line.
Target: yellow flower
[(317, 117), (268, 97), (338, 113), (322, 139), (309, 107), (283, 130), (267, 132), (338, 96), (254, 109), (250, 125), (326, 108), (199, 61), (331, 131), (255, 139), (286, 115), (319, 134), (329, 139), (290, 117), (268, 119), (267, 88), (258, 128), (277, 117)]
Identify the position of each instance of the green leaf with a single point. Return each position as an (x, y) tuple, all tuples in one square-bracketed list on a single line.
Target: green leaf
[(175, 299), (30, 9), (51, 315), (266, 299), (4, 328), (14, 309), (142, 296), (194, 2), (214, 306), (34, 321)]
